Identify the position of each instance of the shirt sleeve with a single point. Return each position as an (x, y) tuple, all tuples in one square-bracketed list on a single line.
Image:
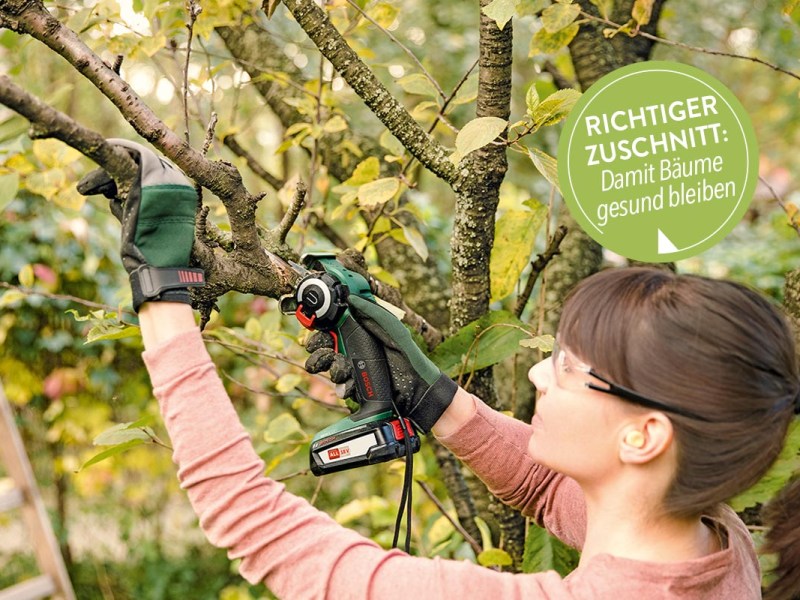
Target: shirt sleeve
[(495, 447), (295, 549)]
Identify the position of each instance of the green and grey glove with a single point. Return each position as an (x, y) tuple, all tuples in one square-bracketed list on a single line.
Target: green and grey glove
[(422, 391), (157, 219)]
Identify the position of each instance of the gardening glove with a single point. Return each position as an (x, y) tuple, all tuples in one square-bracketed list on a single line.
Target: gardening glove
[(422, 391), (157, 219)]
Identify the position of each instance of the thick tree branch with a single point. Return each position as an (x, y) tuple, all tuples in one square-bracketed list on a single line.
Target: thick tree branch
[(224, 271), (246, 268), (31, 17), (362, 80), (253, 49), (48, 122)]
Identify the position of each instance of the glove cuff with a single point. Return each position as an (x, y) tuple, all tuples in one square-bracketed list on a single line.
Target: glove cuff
[(164, 284), (433, 403)]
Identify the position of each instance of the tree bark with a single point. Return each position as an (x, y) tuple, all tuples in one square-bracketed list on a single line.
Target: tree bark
[(593, 55)]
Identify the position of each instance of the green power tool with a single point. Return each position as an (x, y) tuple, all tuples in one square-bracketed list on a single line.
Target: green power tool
[(375, 433)]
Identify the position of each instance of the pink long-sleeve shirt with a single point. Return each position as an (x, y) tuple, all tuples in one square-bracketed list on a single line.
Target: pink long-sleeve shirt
[(299, 552)]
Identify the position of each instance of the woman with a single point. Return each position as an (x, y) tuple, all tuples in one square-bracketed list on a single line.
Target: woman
[(666, 395)]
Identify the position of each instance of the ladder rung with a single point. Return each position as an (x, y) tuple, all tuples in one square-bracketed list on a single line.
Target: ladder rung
[(31, 589), (11, 499)]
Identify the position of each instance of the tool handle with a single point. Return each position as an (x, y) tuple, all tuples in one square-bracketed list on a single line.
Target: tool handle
[(373, 384)]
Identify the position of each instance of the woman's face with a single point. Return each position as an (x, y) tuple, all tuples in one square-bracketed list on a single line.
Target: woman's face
[(576, 430)]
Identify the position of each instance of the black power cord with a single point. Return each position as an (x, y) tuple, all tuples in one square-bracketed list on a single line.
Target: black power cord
[(406, 493)]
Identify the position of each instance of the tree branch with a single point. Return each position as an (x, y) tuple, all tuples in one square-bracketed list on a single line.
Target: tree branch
[(48, 122), (538, 266), (660, 40), (362, 80), (31, 17)]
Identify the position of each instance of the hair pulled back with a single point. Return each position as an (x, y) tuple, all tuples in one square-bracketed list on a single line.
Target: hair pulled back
[(716, 348)]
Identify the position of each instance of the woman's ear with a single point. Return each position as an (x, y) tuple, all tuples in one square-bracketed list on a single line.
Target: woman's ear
[(646, 439)]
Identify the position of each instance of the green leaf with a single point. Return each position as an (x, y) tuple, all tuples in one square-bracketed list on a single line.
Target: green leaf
[(110, 452), (486, 533), (476, 134), (378, 192), (416, 241), (282, 428), (532, 99), (555, 107), (604, 6), (641, 11), (514, 236), (106, 330), (9, 185), (558, 16), (543, 552), (546, 165), (500, 333), (779, 474), (501, 11), (467, 92), (391, 143), (539, 342), (418, 84), (544, 42), (531, 8), (120, 434), (494, 557)]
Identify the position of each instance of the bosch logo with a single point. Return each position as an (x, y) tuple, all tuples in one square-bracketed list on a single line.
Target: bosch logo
[(367, 384), (361, 365)]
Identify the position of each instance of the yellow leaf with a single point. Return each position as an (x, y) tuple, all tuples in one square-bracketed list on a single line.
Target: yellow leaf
[(515, 235), (26, 276), (544, 42), (378, 192), (558, 16), (642, 9)]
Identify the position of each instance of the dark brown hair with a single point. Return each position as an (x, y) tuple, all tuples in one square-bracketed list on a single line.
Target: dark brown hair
[(716, 348)]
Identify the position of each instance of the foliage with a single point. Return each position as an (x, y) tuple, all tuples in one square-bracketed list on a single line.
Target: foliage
[(74, 372)]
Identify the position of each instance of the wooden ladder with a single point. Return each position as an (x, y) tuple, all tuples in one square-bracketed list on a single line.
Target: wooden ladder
[(53, 581)]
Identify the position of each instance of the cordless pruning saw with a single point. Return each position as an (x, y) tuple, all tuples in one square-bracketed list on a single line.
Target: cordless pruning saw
[(374, 433)]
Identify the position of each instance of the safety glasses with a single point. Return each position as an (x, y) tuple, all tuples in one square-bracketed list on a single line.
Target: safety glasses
[(573, 374)]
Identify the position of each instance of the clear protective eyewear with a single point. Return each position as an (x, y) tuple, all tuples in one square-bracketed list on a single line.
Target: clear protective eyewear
[(573, 374)]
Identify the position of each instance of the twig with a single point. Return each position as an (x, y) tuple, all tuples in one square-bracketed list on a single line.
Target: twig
[(685, 46), (233, 145), (117, 63), (476, 547), (446, 103), (291, 475), (291, 214), (330, 42), (302, 394), (73, 299), (194, 10), (212, 125), (404, 48), (538, 266), (785, 208)]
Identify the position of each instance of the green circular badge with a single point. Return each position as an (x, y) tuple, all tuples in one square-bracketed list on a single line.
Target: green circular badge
[(658, 161)]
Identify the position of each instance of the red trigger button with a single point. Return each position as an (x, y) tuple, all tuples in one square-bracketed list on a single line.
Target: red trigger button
[(307, 322)]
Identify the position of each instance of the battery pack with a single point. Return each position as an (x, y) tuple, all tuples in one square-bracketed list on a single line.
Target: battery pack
[(367, 444)]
